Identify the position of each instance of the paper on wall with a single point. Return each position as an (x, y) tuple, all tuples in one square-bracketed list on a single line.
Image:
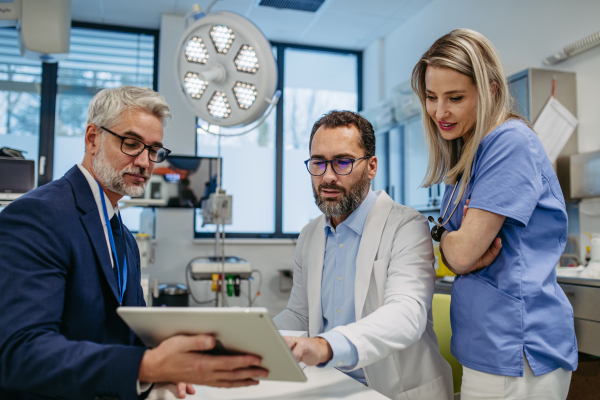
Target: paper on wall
[(554, 126)]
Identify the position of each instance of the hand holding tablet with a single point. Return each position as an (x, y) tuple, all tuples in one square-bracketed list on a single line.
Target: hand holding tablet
[(224, 347), (181, 359)]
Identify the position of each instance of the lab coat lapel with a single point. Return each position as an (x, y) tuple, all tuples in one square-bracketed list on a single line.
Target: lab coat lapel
[(84, 199), (367, 251), (315, 273)]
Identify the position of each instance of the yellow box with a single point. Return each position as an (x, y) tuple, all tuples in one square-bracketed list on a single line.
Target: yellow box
[(440, 269)]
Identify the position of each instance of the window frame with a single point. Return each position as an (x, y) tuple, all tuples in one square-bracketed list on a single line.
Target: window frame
[(279, 150)]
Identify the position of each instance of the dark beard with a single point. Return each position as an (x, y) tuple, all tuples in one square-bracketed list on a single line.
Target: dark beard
[(349, 201)]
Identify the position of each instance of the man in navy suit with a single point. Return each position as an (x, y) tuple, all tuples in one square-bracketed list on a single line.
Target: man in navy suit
[(67, 262)]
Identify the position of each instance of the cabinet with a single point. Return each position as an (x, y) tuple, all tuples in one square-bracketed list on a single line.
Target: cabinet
[(531, 90)]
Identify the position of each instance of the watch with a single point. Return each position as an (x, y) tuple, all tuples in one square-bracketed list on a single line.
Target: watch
[(436, 232)]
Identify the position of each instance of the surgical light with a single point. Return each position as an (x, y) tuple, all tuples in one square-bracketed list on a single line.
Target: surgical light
[(218, 106), (245, 94), (195, 86), (195, 50), (226, 72), (246, 60), (231, 71), (222, 37)]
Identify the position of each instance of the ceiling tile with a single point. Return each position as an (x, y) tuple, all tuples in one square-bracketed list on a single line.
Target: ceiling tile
[(334, 27), (351, 24), (280, 25), (380, 8), (82, 10), (238, 6), (140, 13)]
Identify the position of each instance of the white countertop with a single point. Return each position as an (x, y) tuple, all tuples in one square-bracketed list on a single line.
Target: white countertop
[(323, 383)]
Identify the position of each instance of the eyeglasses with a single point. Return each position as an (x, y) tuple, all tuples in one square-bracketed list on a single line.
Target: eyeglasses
[(133, 147), (341, 166)]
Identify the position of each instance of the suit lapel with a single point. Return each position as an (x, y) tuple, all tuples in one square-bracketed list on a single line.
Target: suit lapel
[(367, 251), (316, 255), (84, 199)]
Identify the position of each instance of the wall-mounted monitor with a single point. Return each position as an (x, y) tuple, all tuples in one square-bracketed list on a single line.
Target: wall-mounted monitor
[(182, 181)]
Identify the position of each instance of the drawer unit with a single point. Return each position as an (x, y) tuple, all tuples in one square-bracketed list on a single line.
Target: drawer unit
[(587, 333), (585, 301)]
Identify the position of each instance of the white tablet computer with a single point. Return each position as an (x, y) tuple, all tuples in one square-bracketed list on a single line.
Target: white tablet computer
[(237, 330)]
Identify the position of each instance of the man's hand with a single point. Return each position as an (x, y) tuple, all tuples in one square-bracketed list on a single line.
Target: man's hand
[(311, 351), (177, 359), (183, 389)]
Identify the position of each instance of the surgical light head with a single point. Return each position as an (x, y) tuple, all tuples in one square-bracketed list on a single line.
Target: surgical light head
[(226, 70)]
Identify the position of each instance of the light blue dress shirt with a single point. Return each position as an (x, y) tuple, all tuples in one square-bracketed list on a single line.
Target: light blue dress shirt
[(337, 285)]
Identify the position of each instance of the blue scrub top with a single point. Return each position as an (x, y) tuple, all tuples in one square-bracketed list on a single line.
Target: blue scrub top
[(514, 305)]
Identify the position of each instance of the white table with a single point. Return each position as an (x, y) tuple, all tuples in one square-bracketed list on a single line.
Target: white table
[(323, 383)]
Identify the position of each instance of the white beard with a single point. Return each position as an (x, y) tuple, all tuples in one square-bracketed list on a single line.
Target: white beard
[(114, 180)]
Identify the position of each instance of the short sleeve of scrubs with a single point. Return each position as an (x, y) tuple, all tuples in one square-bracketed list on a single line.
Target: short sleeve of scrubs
[(506, 177)]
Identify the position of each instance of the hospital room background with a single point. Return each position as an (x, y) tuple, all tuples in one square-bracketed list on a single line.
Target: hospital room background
[(330, 54)]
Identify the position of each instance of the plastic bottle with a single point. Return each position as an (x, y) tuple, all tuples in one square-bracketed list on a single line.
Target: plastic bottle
[(592, 271), (595, 248)]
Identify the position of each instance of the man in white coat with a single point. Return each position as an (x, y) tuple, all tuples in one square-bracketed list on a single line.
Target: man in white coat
[(364, 275)]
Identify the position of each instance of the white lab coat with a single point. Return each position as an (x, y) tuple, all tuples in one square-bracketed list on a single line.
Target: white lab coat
[(393, 332)]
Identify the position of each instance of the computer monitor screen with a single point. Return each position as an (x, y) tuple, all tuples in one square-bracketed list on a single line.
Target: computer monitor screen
[(182, 181), (16, 175)]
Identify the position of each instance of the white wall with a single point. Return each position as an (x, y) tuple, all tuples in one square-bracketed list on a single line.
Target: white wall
[(524, 32)]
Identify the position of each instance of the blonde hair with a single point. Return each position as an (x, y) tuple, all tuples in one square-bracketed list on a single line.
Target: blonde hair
[(471, 54)]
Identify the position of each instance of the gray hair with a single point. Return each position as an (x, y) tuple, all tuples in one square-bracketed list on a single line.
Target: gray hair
[(108, 105)]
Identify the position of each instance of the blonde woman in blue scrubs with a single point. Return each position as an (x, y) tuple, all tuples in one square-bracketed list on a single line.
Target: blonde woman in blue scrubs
[(512, 325)]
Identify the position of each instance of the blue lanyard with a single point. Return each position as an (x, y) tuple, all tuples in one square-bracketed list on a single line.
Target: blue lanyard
[(121, 274)]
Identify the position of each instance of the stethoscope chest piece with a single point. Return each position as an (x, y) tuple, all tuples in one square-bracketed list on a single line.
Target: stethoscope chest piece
[(438, 227)]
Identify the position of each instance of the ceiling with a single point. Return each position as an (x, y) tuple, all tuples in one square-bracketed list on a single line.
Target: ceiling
[(348, 24)]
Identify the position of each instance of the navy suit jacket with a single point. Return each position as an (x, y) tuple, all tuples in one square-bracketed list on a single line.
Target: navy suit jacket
[(60, 335)]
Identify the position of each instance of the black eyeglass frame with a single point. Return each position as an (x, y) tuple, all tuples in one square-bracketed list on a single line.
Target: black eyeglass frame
[(352, 160), (143, 148)]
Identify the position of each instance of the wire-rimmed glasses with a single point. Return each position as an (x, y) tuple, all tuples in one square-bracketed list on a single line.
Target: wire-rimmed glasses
[(341, 166), (133, 147)]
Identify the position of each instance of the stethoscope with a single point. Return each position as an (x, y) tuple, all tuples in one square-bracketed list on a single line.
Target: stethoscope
[(438, 228)]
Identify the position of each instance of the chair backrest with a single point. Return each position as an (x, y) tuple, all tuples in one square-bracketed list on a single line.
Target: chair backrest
[(441, 325)]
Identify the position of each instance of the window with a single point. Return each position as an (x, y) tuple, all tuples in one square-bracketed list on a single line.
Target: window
[(248, 175), (97, 59), (316, 82), (264, 169), (20, 97), (43, 107)]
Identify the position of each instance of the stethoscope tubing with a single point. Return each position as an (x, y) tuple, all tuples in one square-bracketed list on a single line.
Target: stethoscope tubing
[(440, 220)]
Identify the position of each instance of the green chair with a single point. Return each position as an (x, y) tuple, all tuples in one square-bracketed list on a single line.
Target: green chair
[(441, 325)]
